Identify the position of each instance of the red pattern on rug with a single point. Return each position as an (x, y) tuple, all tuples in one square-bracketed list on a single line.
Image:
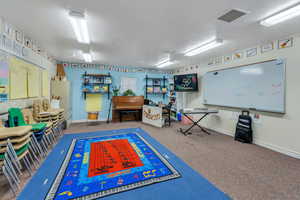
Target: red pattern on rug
[(112, 156)]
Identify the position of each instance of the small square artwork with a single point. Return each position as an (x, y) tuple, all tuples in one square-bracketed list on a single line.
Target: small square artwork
[(218, 60), (286, 43), (267, 47), (19, 36), (251, 52), (227, 58), (238, 55)]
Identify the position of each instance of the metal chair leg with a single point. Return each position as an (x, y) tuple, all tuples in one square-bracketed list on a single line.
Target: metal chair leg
[(38, 147), (12, 156), (8, 176), (27, 165), (12, 171)]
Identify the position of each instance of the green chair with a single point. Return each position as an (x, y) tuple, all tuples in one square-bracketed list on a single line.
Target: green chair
[(18, 151), (15, 118)]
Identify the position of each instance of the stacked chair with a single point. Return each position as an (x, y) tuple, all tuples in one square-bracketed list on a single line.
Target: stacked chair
[(49, 138), (32, 133), (18, 149), (16, 118), (43, 113)]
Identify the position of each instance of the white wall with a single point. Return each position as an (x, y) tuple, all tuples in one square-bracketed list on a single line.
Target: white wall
[(278, 132)]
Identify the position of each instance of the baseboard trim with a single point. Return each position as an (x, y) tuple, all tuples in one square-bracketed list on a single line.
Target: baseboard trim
[(85, 120), (276, 148), (256, 141)]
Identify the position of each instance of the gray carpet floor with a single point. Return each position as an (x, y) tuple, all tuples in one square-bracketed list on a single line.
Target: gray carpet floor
[(244, 171)]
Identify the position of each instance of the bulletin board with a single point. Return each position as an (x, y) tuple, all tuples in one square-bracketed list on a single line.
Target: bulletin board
[(17, 79), (93, 102), (4, 74), (34, 80), (45, 84)]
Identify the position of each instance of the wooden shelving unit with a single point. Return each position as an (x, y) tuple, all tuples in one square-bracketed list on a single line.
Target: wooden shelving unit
[(96, 84), (157, 86)]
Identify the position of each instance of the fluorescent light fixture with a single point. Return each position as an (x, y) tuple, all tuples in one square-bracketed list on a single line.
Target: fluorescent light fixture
[(79, 25), (203, 47), (87, 57), (164, 63), (282, 16)]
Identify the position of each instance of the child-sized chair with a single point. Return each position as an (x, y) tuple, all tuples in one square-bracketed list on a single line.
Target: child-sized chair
[(16, 118)]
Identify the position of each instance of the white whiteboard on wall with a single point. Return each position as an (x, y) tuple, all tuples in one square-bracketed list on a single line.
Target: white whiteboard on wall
[(259, 86)]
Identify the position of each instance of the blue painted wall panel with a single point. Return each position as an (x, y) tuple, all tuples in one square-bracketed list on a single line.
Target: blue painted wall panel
[(78, 103)]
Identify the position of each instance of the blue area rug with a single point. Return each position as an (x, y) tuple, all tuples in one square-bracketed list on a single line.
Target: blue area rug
[(117, 164)]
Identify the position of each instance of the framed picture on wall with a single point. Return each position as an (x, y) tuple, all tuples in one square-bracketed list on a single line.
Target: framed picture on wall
[(267, 47), (227, 58), (286, 43), (238, 55), (251, 52), (19, 36), (218, 60)]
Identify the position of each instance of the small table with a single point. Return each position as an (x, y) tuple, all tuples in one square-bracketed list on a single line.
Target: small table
[(195, 111)]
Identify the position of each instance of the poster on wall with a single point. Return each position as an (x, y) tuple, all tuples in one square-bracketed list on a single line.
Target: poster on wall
[(227, 58), (251, 52), (267, 47), (286, 43), (19, 36), (4, 72), (238, 55)]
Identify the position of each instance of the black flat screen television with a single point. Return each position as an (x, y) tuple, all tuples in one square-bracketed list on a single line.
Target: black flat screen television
[(186, 83)]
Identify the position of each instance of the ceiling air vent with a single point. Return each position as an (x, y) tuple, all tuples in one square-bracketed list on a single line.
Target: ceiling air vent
[(231, 15)]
